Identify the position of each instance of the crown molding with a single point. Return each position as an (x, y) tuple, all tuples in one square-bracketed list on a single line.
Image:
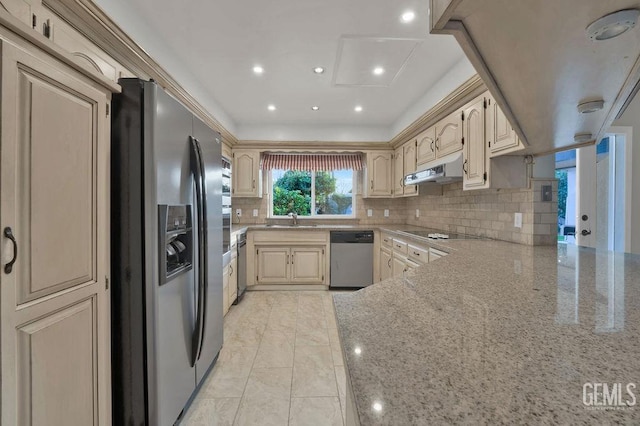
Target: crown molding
[(91, 21), (317, 146), (467, 91)]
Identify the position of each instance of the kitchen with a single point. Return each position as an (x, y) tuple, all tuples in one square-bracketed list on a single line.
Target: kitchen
[(504, 307)]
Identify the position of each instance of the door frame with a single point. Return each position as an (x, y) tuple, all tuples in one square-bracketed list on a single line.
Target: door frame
[(627, 133)]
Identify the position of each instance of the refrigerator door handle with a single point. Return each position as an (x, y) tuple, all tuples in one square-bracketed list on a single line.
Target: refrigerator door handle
[(201, 213)]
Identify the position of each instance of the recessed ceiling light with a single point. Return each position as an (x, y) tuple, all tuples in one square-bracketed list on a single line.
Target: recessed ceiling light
[(258, 69), (378, 70), (590, 106), (318, 70), (271, 107), (358, 108), (315, 107), (613, 24), (407, 16), (377, 406)]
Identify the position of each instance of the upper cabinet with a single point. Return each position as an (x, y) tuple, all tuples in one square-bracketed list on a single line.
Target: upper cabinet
[(474, 154), (426, 146), (449, 134), (540, 70), (398, 172), (378, 182), (409, 161), (501, 136), (247, 176)]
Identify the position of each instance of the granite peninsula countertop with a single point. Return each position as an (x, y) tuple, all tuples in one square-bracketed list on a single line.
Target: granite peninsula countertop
[(496, 333)]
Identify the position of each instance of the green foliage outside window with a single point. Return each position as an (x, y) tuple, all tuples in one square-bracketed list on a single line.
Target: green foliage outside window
[(292, 193)]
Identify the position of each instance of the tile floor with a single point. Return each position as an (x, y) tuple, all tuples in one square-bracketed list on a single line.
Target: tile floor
[(281, 364)]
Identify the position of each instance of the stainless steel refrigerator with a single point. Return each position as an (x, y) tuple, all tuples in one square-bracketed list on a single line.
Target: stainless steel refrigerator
[(166, 255)]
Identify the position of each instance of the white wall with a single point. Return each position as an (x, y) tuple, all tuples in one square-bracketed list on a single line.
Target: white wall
[(313, 133), (631, 118)]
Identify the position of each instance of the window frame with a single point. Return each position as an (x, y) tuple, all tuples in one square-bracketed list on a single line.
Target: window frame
[(313, 215)]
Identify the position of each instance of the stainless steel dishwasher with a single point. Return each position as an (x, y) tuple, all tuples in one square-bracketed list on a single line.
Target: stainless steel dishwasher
[(242, 266), (351, 259)]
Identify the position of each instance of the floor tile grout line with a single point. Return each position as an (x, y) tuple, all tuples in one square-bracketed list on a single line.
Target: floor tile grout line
[(244, 389), (293, 365)]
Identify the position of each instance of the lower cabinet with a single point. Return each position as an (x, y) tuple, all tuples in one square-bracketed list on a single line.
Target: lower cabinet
[(290, 265), (225, 290), (385, 264), (229, 284), (399, 265)]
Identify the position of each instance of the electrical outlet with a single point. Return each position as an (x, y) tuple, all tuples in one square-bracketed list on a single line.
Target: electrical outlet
[(517, 220), (255, 212), (239, 212), (370, 212), (417, 212), (386, 212)]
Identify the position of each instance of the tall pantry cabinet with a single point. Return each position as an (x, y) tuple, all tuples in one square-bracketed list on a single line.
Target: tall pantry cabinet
[(54, 219)]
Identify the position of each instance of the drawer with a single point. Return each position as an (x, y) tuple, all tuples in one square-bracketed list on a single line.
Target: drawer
[(399, 246), (387, 241), (418, 254)]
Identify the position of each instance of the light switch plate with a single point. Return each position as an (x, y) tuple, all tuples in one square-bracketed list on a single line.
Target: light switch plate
[(255, 212), (517, 220), (370, 212), (238, 212), (386, 212)]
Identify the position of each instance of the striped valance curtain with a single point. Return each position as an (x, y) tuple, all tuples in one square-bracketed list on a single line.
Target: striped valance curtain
[(311, 162)]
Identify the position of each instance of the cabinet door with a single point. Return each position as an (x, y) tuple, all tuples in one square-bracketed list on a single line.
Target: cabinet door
[(225, 290), (385, 264), (449, 134), (502, 139), (411, 265), (21, 9), (54, 195), (426, 149), (273, 265), (399, 265), (246, 174), (398, 172), (474, 153), (409, 158), (307, 265), (378, 181)]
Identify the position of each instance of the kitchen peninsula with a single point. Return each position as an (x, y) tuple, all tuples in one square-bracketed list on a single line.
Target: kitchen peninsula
[(496, 333)]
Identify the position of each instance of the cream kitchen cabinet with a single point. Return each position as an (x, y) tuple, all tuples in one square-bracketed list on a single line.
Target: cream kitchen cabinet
[(409, 158), (54, 205), (294, 265), (247, 176), (378, 177), (502, 139), (399, 265), (385, 264), (449, 134), (474, 154), (426, 146), (404, 162), (398, 172), (233, 278)]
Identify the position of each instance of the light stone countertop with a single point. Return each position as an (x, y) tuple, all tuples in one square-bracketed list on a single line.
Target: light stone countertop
[(496, 333)]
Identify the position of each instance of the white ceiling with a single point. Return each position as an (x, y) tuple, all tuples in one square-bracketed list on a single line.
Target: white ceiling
[(211, 46)]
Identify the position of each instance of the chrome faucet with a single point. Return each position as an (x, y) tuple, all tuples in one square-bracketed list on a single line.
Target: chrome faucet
[(294, 217)]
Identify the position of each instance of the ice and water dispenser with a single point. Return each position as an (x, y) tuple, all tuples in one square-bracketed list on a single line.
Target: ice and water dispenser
[(176, 241)]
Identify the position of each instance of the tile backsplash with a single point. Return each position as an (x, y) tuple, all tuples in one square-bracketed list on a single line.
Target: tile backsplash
[(490, 212), (487, 213)]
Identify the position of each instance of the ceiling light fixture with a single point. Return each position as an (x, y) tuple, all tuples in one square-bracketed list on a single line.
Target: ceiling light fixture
[(582, 137), (258, 69), (613, 24), (407, 16), (378, 71), (271, 107), (377, 406), (318, 70), (358, 108), (590, 106), (315, 108)]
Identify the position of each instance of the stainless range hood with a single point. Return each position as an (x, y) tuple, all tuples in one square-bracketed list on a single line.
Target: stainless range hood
[(443, 170)]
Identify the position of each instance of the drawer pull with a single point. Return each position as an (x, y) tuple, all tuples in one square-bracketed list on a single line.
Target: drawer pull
[(417, 254)]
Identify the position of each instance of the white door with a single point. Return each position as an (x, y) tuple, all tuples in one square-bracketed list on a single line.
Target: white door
[(603, 193)]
